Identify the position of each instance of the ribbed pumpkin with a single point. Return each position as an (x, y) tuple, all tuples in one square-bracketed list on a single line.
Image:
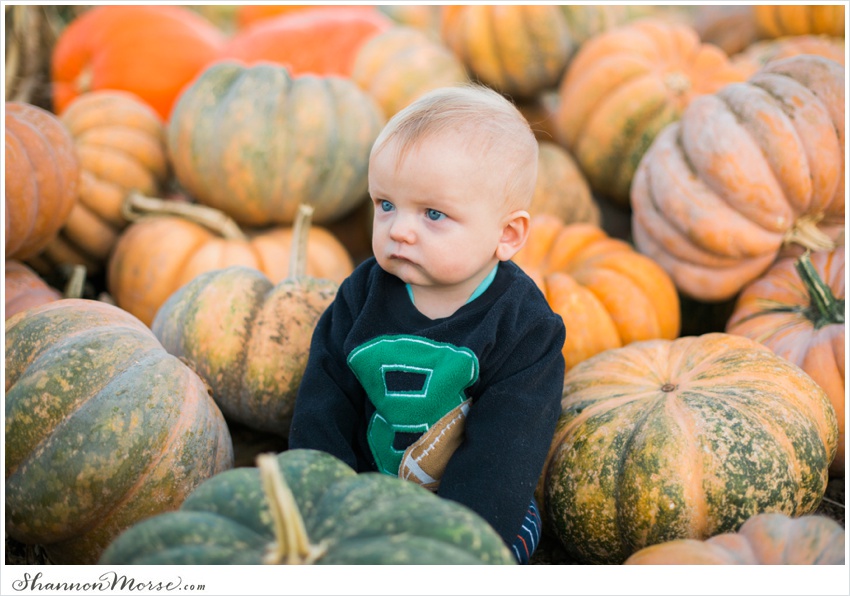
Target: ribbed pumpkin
[(397, 66), (662, 440), (797, 310), (424, 17), (41, 178), (152, 51), (120, 144), (764, 539), (608, 294), (307, 507), (757, 54), (781, 20), (250, 14), (103, 428), (25, 289), (746, 169), (561, 188), (623, 86), (585, 21), (247, 337), (255, 143), (160, 253), (519, 50), (318, 42)]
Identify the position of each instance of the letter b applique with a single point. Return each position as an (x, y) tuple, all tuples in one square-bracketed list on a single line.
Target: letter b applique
[(412, 382)]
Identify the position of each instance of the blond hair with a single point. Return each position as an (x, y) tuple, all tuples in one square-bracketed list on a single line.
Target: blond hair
[(487, 121)]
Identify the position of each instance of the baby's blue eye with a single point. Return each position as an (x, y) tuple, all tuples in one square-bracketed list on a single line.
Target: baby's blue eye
[(386, 206), (434, 215)]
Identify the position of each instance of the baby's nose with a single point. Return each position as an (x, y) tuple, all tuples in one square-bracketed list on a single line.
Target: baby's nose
[(402, 230)]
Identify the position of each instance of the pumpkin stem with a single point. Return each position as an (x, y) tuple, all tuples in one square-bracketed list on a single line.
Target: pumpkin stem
[(292, 545), (825, 308), (136, 206), (300, 235), (806, 233), (76, 282)]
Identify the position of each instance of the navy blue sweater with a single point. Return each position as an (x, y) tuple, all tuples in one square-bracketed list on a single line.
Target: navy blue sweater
[(502, 350)]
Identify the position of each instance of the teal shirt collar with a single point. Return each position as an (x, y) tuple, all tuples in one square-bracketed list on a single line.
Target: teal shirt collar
[(482, 287)]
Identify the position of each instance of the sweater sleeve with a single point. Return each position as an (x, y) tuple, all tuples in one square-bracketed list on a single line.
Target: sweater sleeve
[(509, 430), (330, 401)]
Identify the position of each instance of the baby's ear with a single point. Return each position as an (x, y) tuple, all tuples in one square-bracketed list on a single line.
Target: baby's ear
[(514, 234)]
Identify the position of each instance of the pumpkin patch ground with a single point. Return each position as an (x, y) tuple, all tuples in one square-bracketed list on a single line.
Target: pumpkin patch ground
[(639, 153)]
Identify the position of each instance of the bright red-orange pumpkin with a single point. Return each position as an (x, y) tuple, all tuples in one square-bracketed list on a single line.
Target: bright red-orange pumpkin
[(152, 51), (249, 14), (319, 42)]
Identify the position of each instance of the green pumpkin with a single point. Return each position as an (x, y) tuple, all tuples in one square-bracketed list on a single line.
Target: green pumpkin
[(307, 507), (103, 428)]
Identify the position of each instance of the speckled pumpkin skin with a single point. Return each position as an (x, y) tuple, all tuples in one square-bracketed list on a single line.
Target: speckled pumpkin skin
[(662, 440), (247, 338), (363, 519), (103, 428)]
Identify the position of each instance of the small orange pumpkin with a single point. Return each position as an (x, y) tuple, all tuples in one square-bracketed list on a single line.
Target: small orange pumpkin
[(764, 539), (161, 252), (781, 20), (41, 178), (797, 310), (608, 294)]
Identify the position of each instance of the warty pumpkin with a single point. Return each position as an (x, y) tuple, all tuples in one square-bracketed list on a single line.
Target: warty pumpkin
[(41, 178), (661, 440), (764, 539), (307, 507), (103, 428), (248, 337), (608, 294), (120, 144), (255, 142), (152, 51), (317, 42), (745, 170), (400, 64), (796, 308), (173, 243), (780, 20), (25, 289), (626, 84), (519, 50)]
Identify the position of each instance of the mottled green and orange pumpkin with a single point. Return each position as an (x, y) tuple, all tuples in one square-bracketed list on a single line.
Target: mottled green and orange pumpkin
[(254, 142), (797, 310), (755, 166), (608, 294), (764, 539), (247, 336), (41, 178), (103, 428), (561, 188), (662, 440), (626, 84), (172, 243)]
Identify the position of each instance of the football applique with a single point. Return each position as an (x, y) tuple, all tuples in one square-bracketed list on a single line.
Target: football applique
[(425, 460)]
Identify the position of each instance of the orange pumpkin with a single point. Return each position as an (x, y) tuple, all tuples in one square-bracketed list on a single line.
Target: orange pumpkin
[(626, 84), (608, 294), (25, 289), (120, 143), (782, 20), (797, 310), (397, 66), (250, 14), (158, 254), (755, 165), (561, 188), (764, 539), (248, 337), (254, 142), (151, 51), (519, 50), (318, 42), (41, 178)]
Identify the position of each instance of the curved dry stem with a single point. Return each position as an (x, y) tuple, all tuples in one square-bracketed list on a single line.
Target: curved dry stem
[(300, 235), (137, 206), (806, 233)]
